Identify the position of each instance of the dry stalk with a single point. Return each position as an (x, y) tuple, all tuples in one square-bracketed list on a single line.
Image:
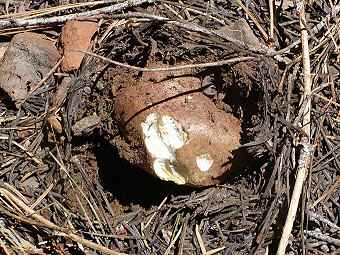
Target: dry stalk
[(318, 27), (19, 23), (59, 231), (172, 68), (254, 19), (202, 246), (29, 153), (172, 243), (271, 13), (200, 240), (328, 192), (306, 148), (50, 10), (3, 248)]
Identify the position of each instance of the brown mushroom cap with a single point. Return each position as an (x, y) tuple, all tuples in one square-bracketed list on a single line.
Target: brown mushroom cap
[(210, 136)]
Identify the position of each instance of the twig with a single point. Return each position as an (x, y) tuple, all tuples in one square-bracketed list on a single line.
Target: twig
[(254, 19), (200, 240), (51, 225), (154, 214), (15, 23), (188, 9), (35, 159), (172, 243), (185, 10), (330, 101), (192, 27), (50, 10), (173, 68), (202, 246), (4, 248), (306, 151), (46, 77), (318, 217), (314, 30), (42, 81), (323, 237), (271, 13), (73, 183), (329, 191), (42, 196), (213, 251), (173, 11)]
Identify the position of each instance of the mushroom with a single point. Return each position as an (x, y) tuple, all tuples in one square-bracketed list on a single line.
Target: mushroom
[(181, 135)]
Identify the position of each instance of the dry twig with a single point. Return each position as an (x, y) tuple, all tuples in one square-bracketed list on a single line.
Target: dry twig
[(306, 150), (60, 231), (19, 23), (171, 68)]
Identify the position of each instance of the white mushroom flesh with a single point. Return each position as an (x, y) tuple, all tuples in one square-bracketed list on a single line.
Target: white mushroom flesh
[(163, 135)]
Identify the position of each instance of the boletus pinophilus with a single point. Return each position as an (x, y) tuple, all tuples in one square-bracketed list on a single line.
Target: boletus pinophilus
[(181, 135)]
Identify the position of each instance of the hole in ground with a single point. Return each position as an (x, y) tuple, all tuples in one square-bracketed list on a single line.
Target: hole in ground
[(129, 184)]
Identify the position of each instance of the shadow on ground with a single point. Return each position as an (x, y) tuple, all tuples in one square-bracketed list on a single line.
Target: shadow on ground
[(131, 185)]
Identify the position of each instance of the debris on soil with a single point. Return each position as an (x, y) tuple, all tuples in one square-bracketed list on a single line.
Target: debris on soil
[(72, 150), (28, 58), (241, 31), (61, 92), (75, 37), (181, 135), (86, 125), (57, 100), (55, 124)]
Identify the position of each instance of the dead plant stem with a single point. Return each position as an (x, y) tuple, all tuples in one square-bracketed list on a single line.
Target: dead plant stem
[(305, 156), (19, 23), (271, 13), (172, 68), (4, 192), (316, 29)]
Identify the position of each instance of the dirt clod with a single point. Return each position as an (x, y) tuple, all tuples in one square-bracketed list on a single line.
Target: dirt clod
[(76, 35)]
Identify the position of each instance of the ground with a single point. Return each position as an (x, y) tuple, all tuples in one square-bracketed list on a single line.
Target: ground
[(71, 181)]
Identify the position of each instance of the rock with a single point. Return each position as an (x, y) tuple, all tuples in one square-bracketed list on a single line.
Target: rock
[(86, 125), (76, 35), (28, 58), (180, 134)]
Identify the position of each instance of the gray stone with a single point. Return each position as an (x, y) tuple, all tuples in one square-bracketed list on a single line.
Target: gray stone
[(28, 58)]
